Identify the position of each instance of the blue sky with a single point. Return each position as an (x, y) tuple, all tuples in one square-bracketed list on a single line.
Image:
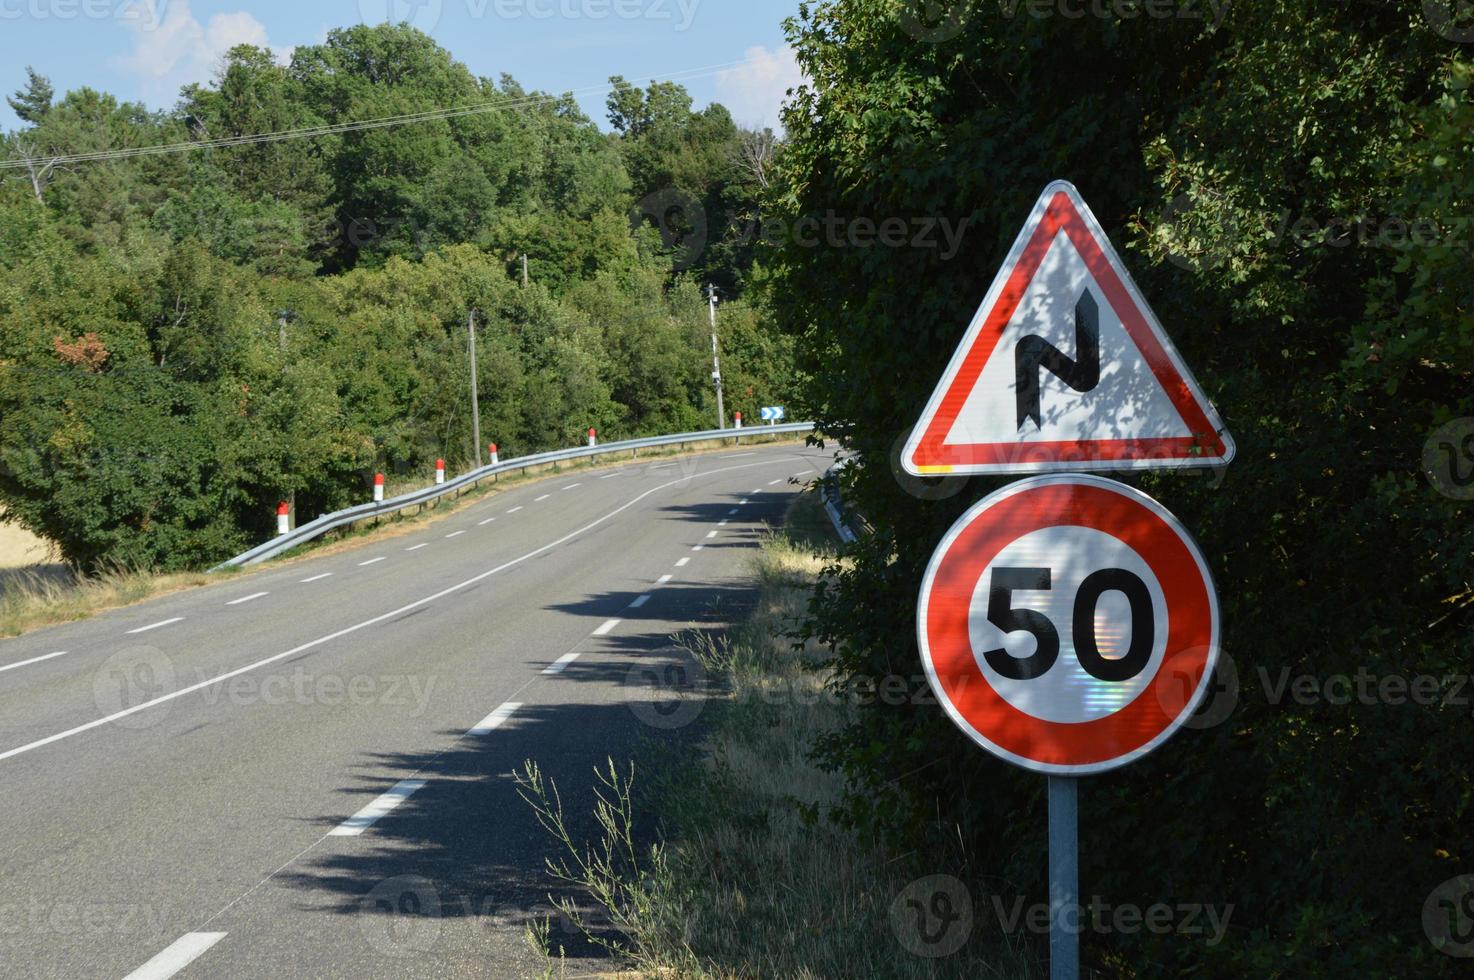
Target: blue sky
[(144, 50)]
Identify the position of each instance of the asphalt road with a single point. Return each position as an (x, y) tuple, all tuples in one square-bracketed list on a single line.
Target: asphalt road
[(307, 770)]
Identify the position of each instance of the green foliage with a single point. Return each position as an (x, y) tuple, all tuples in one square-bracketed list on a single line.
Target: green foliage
[(188, 338), (1262, 174)]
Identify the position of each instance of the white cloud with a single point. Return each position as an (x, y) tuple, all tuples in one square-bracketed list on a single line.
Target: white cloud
[(754, 92), (176, 49)]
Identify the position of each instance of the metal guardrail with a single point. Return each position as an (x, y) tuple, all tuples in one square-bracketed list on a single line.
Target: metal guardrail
[(844, 519), (352, 515)]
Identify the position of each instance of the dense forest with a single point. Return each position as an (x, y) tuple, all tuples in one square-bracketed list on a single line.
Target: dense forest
[(1289, 183), (188, 337)]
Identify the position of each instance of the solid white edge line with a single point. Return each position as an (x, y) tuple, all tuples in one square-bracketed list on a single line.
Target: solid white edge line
[(371, 561), (496, 719), (561, 664), (607, 628), (346, 631), (316, 578), (640, 602), (180, 953), (249, 598), (33, 660), (154, 626), (380, 808)]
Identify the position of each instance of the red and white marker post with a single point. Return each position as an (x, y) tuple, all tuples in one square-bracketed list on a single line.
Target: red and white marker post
[(494, 459), (283, 519), (439, 471), (593, 438), (378, 488), (738, 417)]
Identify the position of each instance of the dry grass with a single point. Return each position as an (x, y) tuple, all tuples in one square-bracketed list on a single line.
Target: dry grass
[(748, 886), (31, 601)]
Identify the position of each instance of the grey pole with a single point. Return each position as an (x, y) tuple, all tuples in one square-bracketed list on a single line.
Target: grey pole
[(716, 360), (1064, 878), (475, 395)]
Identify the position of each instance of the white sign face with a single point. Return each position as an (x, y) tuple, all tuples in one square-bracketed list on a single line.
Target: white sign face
[(1068, 624), (1065, 368), (775, 414)]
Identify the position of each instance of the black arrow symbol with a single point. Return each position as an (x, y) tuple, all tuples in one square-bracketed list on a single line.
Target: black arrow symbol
[(1081, 374)]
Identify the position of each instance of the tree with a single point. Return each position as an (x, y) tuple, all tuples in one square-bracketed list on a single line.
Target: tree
[(1280, 258), (33, 102)]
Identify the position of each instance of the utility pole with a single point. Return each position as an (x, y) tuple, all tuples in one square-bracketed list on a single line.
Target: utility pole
[(716, 361), (475, 395)]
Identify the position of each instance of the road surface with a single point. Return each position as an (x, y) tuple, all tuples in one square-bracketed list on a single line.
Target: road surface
[(306, 770)]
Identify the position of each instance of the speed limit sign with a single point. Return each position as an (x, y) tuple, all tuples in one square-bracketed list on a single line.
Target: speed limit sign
[(1068, 624)]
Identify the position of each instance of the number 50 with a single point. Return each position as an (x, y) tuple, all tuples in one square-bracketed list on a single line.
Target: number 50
[(1003, 614)]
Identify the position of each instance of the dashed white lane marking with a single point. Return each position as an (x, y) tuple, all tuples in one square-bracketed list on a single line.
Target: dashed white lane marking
[(454, 534), (664, 579), (775, 483), (699, 547), (723, 523), (744, 501), (737, 456), (609, 476), (418, 547), (33, 660), (760, 489), (607, 628), (542, 498), (712, 534), (572, 486), (349, 630), (683, 563), (317, 578), (561, 664), (733, 512), (154, 626), (514, 510), (496, 719), (639, 602), (371, 561), (486, 522), (248, 598), (664, 466), (379, 809), (181, 953)]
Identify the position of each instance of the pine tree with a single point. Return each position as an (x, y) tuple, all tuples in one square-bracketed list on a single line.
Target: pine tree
[(34, 101)]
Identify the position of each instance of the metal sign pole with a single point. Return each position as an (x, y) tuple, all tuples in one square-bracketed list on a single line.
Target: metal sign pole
[(1064, 877)]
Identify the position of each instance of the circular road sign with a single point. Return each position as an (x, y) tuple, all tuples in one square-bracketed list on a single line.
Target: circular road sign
[(1068, 624)]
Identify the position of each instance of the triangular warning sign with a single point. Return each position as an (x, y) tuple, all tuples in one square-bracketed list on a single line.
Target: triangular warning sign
[(1065, 367)]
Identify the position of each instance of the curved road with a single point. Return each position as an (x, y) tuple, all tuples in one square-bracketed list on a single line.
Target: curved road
[(307, 770)]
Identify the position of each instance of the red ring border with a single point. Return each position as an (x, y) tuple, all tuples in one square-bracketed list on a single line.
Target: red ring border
[(1066, 501)]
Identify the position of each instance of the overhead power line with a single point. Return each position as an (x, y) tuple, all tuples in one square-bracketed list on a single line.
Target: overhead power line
[(383, 122)]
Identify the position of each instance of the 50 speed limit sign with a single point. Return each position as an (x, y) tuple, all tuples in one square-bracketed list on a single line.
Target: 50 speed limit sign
[(1068, 624)]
